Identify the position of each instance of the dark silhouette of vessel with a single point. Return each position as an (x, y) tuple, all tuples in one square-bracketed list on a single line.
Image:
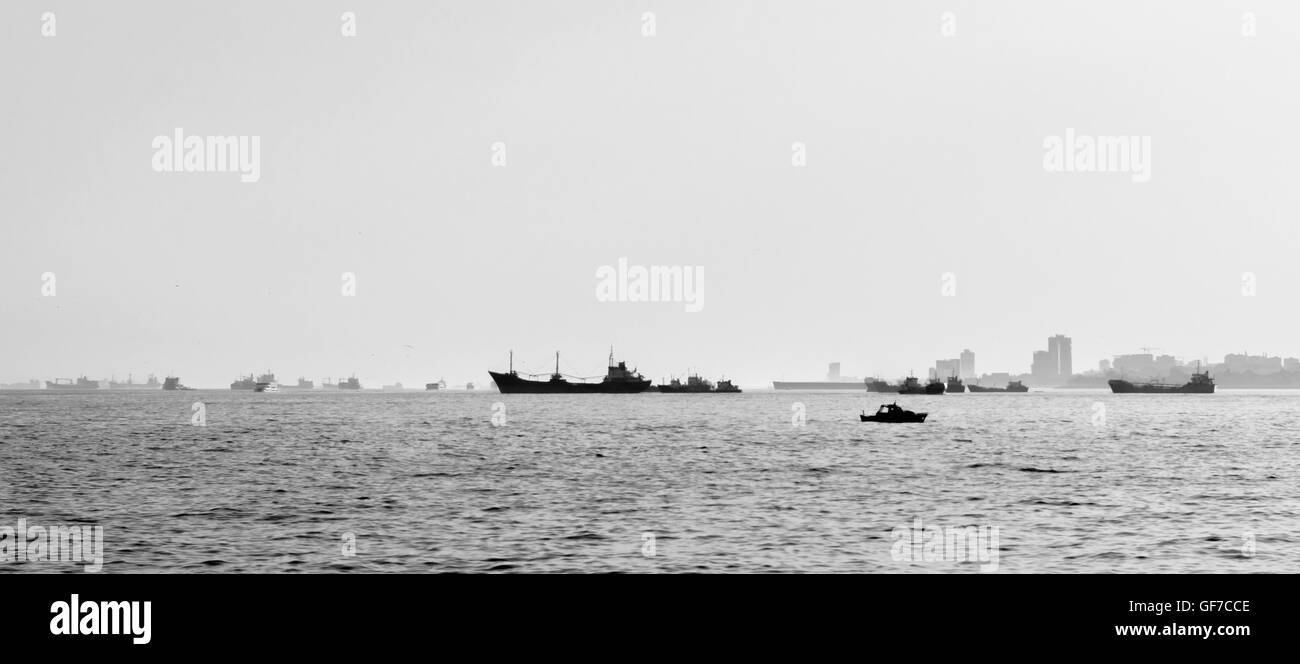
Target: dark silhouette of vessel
[(618, 380), (82, 383), (935, 386), (174, 383), (911, 385), (877, 385), (696, 384), (130, 384), (440, 385), (1013, 386), (955, 384), (1201, 383), (350, 383), (893, 413)]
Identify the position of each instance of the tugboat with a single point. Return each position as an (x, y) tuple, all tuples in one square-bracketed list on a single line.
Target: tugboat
[(935, 386), (695, 384), (911, 385), (893, 413), (618, 380), (1201, 383), (955, 384), (174, 383), (82, 383)]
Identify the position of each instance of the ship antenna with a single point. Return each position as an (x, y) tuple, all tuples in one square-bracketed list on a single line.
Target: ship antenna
[(512, 360)]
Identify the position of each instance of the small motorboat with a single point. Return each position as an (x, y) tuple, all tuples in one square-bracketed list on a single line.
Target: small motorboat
[(893, 413)]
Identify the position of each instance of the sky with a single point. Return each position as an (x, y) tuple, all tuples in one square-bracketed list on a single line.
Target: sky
[(474, 165)]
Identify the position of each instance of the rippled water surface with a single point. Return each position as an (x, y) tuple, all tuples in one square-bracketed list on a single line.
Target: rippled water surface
[(1078, 481)]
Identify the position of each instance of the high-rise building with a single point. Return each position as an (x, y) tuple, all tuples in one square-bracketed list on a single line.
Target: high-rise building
[(1042, 369), (1060, 356), (967, 370), (945, 368)]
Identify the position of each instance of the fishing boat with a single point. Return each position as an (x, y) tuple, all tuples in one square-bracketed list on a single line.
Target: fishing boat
[(893, 413)]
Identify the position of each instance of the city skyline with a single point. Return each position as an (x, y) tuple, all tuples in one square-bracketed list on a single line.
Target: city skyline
[(831, 221), (1138, 364)]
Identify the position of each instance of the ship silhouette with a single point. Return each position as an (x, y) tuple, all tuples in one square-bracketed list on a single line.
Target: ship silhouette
[(1201, 383), (1013, 386), (82, 383), (618, 380), (697, 385)]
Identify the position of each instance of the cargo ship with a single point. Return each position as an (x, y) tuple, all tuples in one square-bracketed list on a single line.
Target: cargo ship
[(82, 383), (303, 384), (350, 384), (249, 383), (440, 385), (1013, 386), (1201, 383), (955, 384), (834, 381), (877, 385), (697, 385), (130, 384), (618, 380)]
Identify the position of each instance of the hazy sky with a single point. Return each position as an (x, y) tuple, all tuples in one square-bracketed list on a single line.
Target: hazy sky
[(924, 157)]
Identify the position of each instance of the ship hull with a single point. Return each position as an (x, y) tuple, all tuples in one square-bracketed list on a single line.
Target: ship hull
[(1125, 387), (71, 386), (818, 385), (668, 389), (513, 384)]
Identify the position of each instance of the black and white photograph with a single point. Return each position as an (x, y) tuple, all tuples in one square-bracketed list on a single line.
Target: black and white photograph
[(908, 293)]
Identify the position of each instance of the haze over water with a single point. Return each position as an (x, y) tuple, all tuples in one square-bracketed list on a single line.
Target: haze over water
[(725, 483)]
